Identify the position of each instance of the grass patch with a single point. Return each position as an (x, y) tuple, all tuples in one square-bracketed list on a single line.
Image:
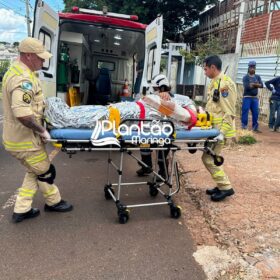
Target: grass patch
[(245, 137), (247, 140)]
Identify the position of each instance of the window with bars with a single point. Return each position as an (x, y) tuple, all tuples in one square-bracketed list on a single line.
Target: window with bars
[(45, 37)]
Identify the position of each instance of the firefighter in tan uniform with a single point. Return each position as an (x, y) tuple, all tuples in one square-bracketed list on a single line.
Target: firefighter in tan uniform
[(221, 102), (24, 134)]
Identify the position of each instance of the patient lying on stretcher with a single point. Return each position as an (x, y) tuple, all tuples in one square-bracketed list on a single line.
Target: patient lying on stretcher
[(180, 109)]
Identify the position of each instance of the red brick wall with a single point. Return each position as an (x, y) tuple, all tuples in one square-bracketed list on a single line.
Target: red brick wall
[(275, 26), (256, 28)]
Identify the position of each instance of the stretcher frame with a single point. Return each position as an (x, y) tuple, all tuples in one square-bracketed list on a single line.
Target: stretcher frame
[(156, 185)]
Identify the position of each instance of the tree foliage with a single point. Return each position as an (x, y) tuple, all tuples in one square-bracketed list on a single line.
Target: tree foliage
[(177, 14), (212, 46), (4, 65)]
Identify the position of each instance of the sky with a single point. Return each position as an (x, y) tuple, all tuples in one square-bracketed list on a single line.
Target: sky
[(13, 26)]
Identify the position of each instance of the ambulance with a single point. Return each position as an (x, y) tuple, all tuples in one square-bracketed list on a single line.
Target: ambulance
[(96, 52)]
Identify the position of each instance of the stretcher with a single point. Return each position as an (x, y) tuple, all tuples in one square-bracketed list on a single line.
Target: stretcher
[(73, 140)]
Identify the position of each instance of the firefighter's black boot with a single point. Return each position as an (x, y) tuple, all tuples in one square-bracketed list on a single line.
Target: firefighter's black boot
[(61, 206), (147, 159), (19, 217)]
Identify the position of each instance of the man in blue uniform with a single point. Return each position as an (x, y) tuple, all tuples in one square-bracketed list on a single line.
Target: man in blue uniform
[(251, 84), (274, 104)]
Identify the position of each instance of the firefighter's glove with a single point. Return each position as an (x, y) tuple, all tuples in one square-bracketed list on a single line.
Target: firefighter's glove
[(220, 137), (45, 136)]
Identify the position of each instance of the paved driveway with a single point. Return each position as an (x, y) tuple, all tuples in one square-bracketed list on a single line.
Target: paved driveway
[(89, 243)]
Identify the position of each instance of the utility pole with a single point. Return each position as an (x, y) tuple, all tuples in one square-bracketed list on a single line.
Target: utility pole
[(27, 18)]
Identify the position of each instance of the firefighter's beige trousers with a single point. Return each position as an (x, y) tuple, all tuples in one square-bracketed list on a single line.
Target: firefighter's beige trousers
[(217, 172), (37, 163)]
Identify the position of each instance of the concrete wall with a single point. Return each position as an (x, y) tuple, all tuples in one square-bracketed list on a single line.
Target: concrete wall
[(194, 74), (230, 60), (188, 78)]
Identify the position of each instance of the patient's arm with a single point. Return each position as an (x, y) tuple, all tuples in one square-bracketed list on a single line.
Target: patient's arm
[(168, 108), (165, 96)]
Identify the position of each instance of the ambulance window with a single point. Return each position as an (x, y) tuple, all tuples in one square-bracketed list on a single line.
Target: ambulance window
[(46, 39), (151, 62), (106, 64)]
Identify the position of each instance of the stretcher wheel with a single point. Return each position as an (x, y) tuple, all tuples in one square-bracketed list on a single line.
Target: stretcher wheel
[(107, 194), (218, 160), (175, 211), (123, 217), (153, 191)]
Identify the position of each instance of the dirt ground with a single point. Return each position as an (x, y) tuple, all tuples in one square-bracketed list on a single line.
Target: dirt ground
[(243, 232)]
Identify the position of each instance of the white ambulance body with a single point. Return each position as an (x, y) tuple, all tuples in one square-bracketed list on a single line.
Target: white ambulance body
[(107, 48)]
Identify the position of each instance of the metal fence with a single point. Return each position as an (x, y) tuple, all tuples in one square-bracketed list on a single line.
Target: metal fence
[(264, 95), (267, 67)]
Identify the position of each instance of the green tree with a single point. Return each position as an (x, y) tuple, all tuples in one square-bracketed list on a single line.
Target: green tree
[(212, 46), (4, 65), (16, 44), (177, 14), (87, 4)]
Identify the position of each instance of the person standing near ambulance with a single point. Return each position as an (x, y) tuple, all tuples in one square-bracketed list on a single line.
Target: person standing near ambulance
[(251, 83), (221, 103), (23, 132)]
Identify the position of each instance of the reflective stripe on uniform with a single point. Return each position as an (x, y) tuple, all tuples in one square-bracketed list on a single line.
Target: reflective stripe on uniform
[(52, 190), (216, 83), (17, 145), (219, 173), (230, 133), (26, 192), (217, 120), (226, 126), (12, 70), (17, 70), (35, 159)]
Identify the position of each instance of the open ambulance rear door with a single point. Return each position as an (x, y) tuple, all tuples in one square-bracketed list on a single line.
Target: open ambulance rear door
[(153, 41), (45, 28)]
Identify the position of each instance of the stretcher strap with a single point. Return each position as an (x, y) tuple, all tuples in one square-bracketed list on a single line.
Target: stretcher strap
[(193, 118), (114, 116), (165, 110), (142, 114)]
